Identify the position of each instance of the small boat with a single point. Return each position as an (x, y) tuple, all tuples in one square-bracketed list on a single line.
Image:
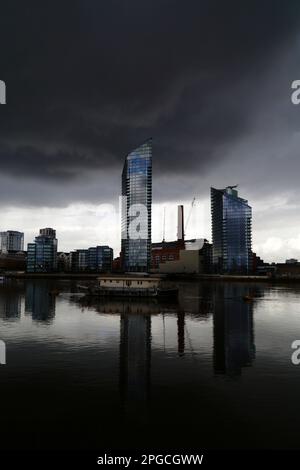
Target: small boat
[(133, 286)]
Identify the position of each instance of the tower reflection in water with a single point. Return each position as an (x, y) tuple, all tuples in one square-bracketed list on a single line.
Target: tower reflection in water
[(233, 330), (135, 350), (10, 301), (232, 335), (135, 363), (135, 346), (39, 302)]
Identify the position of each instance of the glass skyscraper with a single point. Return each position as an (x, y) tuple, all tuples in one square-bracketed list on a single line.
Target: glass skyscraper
[(231, 231), (136, 209)]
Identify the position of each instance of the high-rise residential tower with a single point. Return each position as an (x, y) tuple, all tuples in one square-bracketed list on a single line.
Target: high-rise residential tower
[(136, 209), (231, 231), (42, 254), (11, 240)]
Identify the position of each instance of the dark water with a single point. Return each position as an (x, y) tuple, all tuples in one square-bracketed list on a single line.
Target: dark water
[(212, 371)]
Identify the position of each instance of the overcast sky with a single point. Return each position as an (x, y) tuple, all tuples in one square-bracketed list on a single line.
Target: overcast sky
[(210, 81)]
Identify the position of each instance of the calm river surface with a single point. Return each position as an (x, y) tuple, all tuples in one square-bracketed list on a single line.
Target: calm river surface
[(212, 371)]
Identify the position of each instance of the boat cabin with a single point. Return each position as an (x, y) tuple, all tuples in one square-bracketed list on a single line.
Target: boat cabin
[(128, 282)]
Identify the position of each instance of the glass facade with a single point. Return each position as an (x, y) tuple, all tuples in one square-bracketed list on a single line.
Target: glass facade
[(96, 258), (11, 241), (231, 232), (104, 258), (31, 253), (80, 260), (42, 254), (100, 258), (136, 209)]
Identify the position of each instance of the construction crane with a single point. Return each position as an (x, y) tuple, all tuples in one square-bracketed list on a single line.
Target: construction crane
[(189, 216)]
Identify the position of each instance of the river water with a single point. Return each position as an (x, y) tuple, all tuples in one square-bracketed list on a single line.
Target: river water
[(209, 371)]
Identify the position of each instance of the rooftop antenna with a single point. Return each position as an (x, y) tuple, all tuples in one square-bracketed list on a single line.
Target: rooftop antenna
[(189, 216)]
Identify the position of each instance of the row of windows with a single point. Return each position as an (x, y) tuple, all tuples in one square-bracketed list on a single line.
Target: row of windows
[(164, 257)]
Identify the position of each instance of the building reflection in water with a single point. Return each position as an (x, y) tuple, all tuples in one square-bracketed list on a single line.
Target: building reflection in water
[(180, 332), (135, 363), (135, 349), (121, 306), (10, 302), (233, 330), (39, 302), (195, 301)]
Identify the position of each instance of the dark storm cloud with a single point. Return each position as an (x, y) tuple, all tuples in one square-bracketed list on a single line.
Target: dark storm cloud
[(89, 80)]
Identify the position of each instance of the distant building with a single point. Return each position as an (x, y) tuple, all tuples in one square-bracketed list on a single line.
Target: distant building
[(79, 260), (63, 261), (117, 264), (291, 261), (136, 208), (231, 231), (11, 241), (13, 261), (195, 259), (257, 264), (92, 258), (98, 259), (105, 256), (48, 232), (42, 254), (165, 251), (287, 270)]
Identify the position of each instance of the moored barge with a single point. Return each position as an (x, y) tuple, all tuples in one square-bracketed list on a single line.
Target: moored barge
[(132, 286)]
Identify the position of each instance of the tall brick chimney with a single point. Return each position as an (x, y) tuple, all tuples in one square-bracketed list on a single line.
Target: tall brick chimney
[(180, 224)]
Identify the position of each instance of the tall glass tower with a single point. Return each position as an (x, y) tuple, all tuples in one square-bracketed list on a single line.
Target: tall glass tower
[(136, 209), (231, 231)]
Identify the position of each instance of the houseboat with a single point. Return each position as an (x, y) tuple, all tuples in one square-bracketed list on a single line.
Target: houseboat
[(132, 286)]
